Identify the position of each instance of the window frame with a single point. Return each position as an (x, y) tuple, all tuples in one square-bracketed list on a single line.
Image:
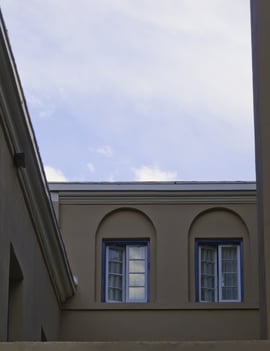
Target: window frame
[(124, 243), (218, 244)]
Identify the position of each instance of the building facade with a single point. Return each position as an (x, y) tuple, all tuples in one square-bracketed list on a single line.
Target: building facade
[(160, 261), (132, 262)]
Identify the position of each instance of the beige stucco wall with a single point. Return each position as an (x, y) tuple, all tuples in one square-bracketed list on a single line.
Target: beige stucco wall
[(139, 346), (160, 325), (34, 297), (172, 313)]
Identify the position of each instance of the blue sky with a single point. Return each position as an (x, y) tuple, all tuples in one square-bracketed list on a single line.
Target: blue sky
[(125, 90)]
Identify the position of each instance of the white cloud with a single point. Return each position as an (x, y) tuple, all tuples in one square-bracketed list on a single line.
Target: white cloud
[(146, 173), (154, 68), (105, 151), (91, 167), (54, 175)]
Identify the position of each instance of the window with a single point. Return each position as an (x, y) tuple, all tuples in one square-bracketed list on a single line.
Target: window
[(219, 270), (125, 271)]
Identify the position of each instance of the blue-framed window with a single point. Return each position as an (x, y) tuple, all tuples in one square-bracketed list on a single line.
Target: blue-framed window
[(219, 270), (125, 271)]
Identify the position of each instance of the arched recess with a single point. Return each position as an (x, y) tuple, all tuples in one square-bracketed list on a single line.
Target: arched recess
[(125, 224), (218, 224)]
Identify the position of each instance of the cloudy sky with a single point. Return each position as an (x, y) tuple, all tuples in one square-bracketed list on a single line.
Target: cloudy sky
[(123, 90)]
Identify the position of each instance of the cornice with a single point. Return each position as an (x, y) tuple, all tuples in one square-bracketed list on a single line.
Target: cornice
[(131, 199), (155, 193), (154, 186), (20, 137)]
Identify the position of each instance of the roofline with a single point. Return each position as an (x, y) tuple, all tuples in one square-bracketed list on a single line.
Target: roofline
[(153, 186), (21, 139), (134, 193)]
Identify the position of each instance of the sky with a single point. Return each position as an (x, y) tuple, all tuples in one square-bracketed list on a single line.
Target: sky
[(137, 90)]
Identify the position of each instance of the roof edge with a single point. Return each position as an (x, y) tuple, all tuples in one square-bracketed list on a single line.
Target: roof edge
[(154, 186), (21, 139), (134, 193)]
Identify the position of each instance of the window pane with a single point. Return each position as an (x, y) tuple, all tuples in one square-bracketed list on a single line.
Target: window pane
[(230, 293), (136, 266), (116, 254), (136, 280), (115, 294), (230, 280), (115, 267), (136, 252), (229, 253), (115, 281), (229, 265), (136, 293), (208, 295)]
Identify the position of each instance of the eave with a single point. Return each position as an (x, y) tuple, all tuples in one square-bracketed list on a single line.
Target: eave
[(20, 137)]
